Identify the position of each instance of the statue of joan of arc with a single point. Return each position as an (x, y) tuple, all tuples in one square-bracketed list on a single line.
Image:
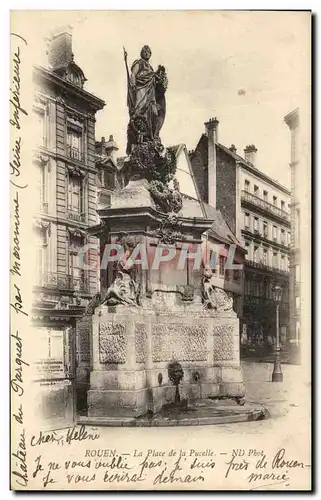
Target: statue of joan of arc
[(145, 99)]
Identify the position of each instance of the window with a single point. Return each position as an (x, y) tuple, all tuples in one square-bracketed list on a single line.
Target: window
[(275, 201), (256, 254), (247, 221), (256, 190), (275, 231), (41, 187), (247, 248), (75, 194), (75, 271), (107, 179), (256, 224), (282, 264), (40, 131), (265, 288), (246, 185), (282, 205), (275, 260), (265, 256), (289, 239), (74, 143), (237, 275), (265, 229), (222, 265), (282, 237), (41, 255), (105, 199), (265, 195)]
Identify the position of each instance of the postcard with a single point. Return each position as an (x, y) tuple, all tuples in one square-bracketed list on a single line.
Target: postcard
[(160, 303)]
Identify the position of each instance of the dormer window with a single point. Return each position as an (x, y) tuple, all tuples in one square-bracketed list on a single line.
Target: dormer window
[(107, 179), (74, 74)]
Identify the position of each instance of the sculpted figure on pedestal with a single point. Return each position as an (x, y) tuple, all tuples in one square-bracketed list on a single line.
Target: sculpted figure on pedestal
[(124, 289), (147, 157), (145, 99), (214, 297)]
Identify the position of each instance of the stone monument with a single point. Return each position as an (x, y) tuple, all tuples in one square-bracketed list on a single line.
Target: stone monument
[(157, 308)]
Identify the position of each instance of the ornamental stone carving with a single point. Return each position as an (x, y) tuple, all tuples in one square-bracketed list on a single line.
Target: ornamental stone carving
[(76, 232), (75, 171), (112, 343), (168, 230), (124, 289), (224, 341), (179, 341), (41, 159), (214, 297), (43, 225), (140, 342)]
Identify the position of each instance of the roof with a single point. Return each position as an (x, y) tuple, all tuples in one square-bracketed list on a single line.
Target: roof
[(175, 148), (220, 229), (105, 160), (246, 164), (93, 101), (120, 162)]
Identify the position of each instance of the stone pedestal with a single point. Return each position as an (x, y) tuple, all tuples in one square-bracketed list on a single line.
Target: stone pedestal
[(133, 346), (132, 352)]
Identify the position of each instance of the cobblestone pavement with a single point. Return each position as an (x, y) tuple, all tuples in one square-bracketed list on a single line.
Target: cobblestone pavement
[(281, 398)]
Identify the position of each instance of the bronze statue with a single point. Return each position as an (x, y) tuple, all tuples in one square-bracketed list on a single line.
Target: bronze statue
[(145, 99)]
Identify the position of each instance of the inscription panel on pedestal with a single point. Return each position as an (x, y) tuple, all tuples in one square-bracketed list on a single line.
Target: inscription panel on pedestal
[(223, 342), (180, 342), (112, 343), (140, 342)]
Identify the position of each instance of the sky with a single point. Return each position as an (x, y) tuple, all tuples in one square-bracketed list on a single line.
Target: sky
[(249, 69)]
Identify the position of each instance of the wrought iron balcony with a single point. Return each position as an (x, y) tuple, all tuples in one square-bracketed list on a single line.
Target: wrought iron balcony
[(264, 205), (76, 216), (265, 267), (63, 282), (75, 153)]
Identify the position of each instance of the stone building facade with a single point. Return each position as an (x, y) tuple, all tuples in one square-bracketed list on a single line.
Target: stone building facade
[(64, 164), (256, 208), (300, 251)]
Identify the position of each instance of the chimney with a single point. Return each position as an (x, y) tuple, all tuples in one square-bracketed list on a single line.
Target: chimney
[(60, 48), (250, 154), (111, 147), (211, 130), (232, 148)]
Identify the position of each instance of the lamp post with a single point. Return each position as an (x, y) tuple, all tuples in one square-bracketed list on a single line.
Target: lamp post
[(277, 375)]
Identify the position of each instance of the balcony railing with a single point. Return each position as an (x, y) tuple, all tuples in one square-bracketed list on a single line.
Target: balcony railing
[(75, 153), (63, 282), (264, 205), (76, 216), (260, 265)]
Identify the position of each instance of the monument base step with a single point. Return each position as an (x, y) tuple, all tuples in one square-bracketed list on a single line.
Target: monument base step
[(202, 412)]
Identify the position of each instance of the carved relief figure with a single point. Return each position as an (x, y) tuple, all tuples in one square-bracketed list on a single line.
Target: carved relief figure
[(124, 289), (214, 297)]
